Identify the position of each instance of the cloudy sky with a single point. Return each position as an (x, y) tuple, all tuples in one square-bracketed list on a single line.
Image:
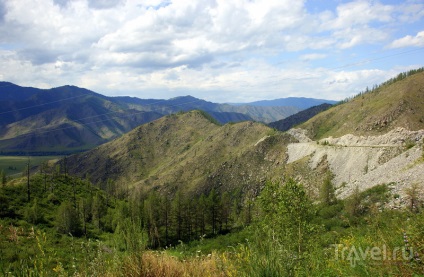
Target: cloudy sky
[(218, 50)]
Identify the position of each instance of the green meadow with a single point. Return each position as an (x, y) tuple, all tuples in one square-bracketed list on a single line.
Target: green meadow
[(13, 165)]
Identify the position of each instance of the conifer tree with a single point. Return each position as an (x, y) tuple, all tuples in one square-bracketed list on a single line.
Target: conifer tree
[(98, 210), (34, 214), (151, 210), (213, 202), (177, 214), (3, 177), (327, 191)]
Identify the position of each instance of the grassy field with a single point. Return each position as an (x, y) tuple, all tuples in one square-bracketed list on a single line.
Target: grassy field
[(13, 165)]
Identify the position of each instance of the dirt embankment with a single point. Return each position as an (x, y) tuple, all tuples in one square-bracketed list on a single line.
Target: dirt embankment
[(394, 158)]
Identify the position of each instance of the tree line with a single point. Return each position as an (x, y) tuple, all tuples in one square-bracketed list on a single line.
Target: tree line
[(75, 206)]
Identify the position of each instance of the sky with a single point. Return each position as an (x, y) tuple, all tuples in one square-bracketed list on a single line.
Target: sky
[(217, 50)]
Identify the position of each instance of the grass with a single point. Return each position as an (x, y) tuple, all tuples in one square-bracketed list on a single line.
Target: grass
[(13, 165), (152, 263)]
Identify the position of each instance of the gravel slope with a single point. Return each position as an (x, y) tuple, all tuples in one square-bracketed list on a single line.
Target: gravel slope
[(364, 162)]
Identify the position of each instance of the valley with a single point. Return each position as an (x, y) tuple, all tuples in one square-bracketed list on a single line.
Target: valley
[(14, 166)]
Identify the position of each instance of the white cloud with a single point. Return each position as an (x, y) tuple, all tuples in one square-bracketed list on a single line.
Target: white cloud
[(357, 23), (192, 32), (312, 56), (360, 13), (351, 37), (407, 41), (179, 45), (411, 12)]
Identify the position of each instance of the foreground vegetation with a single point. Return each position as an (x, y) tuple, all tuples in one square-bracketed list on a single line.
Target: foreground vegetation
[(59, 225)]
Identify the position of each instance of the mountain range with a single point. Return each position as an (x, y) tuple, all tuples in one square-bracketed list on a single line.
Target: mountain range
[(70, 119), (375, 137), (379, 139), (63, 119)]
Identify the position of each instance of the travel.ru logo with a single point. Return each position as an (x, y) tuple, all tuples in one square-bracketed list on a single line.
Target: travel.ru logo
[(355, 254)]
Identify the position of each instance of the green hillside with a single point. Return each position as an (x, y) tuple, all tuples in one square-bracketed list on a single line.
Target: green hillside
[(189, 151), (397, 103)]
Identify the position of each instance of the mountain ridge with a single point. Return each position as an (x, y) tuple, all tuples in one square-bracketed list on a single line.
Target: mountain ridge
[(72, 119), (299, 102), (298, 118)]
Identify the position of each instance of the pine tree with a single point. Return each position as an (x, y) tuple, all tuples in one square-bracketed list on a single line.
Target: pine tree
[(85, 206), (3, 177), (353, 203), (177, 214), (152, 216), (413, 195), (327, 191), (213, 202), (43, 170), (201, 215), (34, 214), (166, 212), (226, 210), (98, 210), (28, 182)]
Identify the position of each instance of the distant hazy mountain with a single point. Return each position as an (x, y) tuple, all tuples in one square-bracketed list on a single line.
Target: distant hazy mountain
[(61, 120), (298, 118), (233, 113), (299, 102)]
